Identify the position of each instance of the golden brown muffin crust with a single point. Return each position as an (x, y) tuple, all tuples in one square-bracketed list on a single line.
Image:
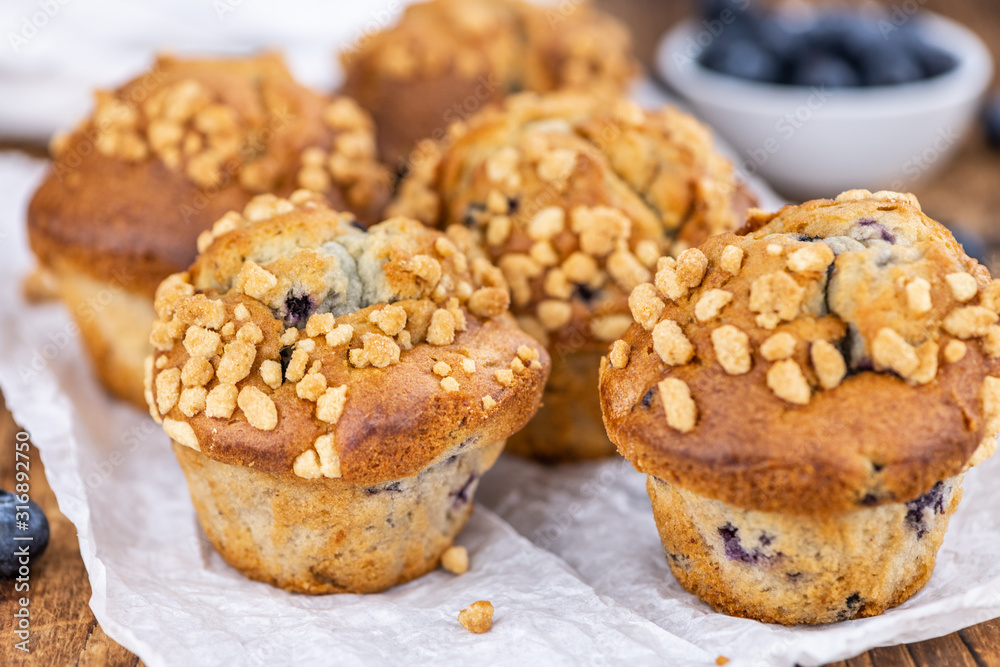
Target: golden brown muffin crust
[(575, 198), (428, 361), (167, 154), (447, 58), (774, 399)]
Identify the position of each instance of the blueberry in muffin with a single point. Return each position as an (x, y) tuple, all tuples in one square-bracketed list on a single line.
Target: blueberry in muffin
[(575, 198), (159, 161), (333, 394), (804, 398)]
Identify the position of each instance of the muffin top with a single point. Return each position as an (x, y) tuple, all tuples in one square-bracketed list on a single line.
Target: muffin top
[(164, 156), (300, 343), (452, 56), (575, 199), (837, 355)]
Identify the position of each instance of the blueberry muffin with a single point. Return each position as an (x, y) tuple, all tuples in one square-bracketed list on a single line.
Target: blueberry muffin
[(804, 399), (575, 199), (445, 59), (333, 394), (161, 159)]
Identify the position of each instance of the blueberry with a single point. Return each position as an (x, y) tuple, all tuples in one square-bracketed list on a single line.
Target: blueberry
[(821, 69), (647, 398), (14, 525), (882, 230), (934, 60), (298, 307), (744, 59), (870, 500), (463, 495), (732, 546), (472, 214), (286, 358), (852, 605), (829, 31), (838, 49), (931, 59), (585, 293), (860, 36), (393, 487), (714, 10), (850, 36), (909, 35), (781, 38), (862, 364), (735, 550), (890, 66), (402, 170), (933, 499), (991, 118), (471, 440)]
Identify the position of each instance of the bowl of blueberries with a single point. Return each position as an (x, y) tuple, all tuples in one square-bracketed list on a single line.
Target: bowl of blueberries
[(821, 100)]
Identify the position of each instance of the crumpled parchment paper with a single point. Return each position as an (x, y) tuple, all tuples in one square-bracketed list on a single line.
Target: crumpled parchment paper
[(568, 556)]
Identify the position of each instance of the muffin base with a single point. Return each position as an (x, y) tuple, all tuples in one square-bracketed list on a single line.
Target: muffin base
[(788, 569), (568, 426), (115, 325), (327, 535)]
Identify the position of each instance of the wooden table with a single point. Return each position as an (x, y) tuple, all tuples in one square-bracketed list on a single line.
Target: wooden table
[(65, 632), (63, 628)]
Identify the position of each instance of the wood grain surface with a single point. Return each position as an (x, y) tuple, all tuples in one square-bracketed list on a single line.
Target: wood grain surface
[(63, 628)]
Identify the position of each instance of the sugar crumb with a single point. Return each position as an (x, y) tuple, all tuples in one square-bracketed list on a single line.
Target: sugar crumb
[(477, 617)]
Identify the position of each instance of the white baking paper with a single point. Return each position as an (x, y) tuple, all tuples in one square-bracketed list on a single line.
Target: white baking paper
[(569, 556)]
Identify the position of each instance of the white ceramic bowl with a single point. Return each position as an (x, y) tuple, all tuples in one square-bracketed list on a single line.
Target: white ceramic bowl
[(816, 143)]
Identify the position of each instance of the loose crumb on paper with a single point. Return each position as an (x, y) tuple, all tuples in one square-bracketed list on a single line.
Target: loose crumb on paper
[(477, 617), (455, 560)]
